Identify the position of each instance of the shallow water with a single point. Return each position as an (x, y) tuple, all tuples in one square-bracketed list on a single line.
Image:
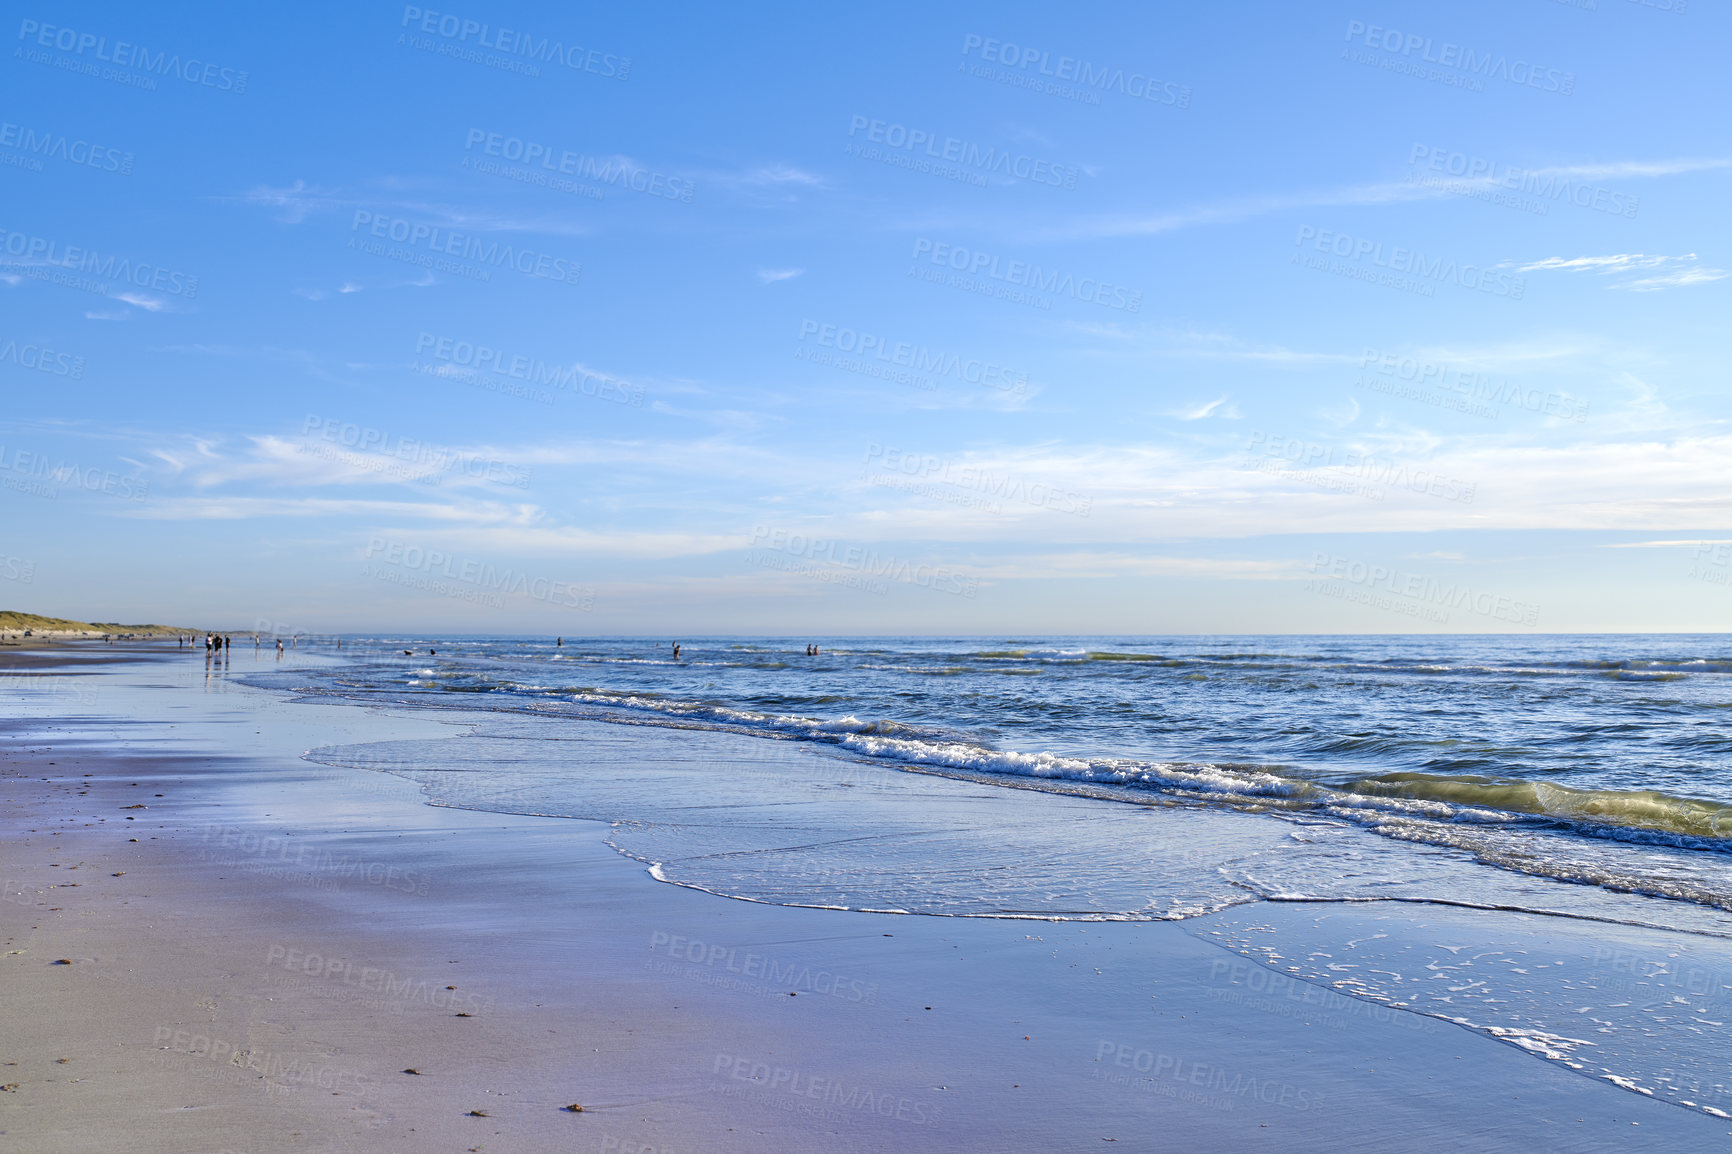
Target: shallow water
[(1605, 760), (1245, 789)]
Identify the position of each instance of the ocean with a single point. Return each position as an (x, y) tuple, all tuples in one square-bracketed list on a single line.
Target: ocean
[(1595, 759), (1254, 789)]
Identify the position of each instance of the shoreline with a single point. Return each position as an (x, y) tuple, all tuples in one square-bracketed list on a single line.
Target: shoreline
[(681, 1021)]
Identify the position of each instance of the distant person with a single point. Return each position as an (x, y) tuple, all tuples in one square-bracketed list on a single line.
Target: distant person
[(676, 651), (432, 653), (558, 641), (279, 649)]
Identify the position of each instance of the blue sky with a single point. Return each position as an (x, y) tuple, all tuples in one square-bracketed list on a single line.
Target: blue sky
[(660, 319)]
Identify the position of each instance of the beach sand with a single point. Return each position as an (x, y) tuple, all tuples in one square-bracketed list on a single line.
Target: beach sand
[(260, 947)]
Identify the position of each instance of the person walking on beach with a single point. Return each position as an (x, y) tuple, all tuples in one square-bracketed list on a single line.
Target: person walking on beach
[(279, 649)]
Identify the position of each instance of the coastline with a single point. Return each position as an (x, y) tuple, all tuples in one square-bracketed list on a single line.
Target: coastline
[(192, 1017)]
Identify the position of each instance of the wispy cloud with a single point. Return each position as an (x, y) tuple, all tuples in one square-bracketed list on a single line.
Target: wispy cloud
[(293, 204), (1664, 271), (345, 288), (776, 175), (1239, 208), (772, 275), (300, 201), (1692, 543), (247, 508), (1220, 407), (1225, 347), (1680, 278), (139, 300), (571, 540), (767, 184)]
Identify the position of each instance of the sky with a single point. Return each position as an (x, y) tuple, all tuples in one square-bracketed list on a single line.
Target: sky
[(799, 319)]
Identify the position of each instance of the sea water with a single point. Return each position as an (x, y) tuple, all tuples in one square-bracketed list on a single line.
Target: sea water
[(1241, 784)]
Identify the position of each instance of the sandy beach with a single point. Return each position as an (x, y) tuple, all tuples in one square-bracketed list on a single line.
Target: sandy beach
[(268, 954)]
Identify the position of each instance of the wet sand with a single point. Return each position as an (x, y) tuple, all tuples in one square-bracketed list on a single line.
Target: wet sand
[(283, 941)]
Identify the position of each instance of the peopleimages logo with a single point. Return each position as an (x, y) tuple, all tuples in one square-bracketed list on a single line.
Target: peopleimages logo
[(1425, 590), (460, 31), (1021, 274), (479, 358), (42, 255), (1472, 385), (1100, 78), (45, 144), (826, 1091), (868, 563), (1411, 262), (614, 170), (40, 480), (987, 160), (764, 967), (1473, 66), (1462, 175), (917, 357), (192, 70), (1234, 1086), (443, 242), (42, 359), (925, 467), (483, 575)]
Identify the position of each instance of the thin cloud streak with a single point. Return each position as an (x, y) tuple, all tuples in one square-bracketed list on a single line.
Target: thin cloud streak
[(1358, 195)]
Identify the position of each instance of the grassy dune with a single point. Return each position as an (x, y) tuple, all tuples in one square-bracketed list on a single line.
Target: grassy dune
[(15, 622)]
